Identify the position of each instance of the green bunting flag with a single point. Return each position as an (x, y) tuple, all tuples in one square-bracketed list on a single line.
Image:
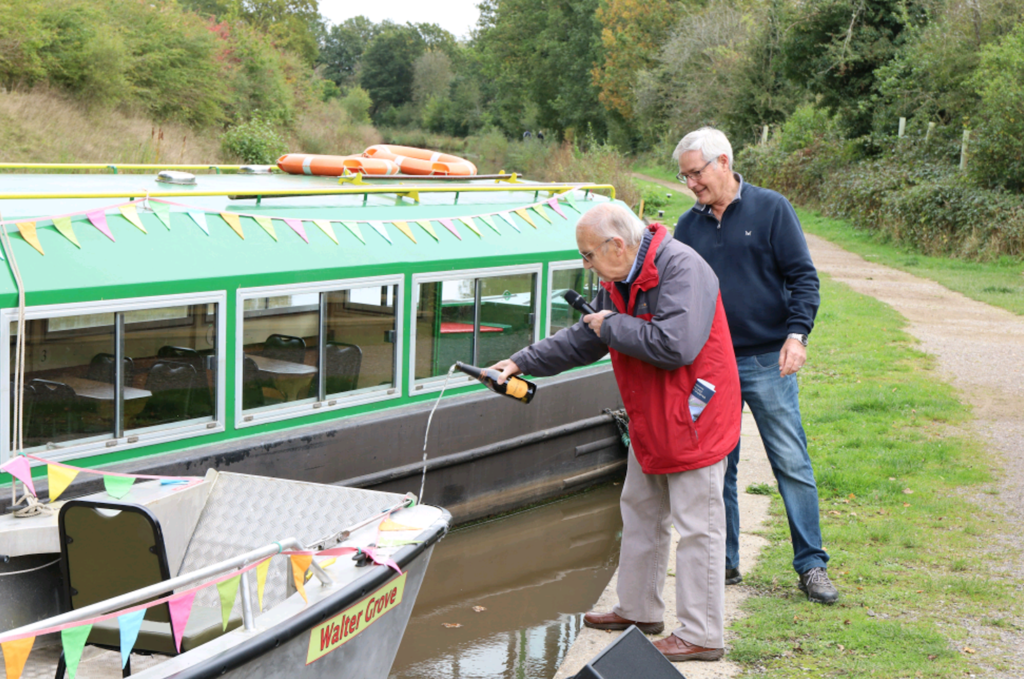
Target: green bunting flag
[(490, 222), (63, 225), (227, 591), (117, 486), (163, 213), (425, 223), (354, 228), (539, 209), (73, 639), (267, 224)]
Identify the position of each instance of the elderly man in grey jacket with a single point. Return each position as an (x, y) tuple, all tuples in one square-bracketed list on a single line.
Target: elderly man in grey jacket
[(661, 319)]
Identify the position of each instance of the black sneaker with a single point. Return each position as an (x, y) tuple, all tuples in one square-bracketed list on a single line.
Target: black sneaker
[(818, 587), (733, 576)]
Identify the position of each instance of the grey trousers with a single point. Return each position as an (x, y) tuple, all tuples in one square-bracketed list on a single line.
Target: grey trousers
[(651, 504)]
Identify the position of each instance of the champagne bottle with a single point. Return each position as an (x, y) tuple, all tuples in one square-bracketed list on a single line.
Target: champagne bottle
[(514, 387)]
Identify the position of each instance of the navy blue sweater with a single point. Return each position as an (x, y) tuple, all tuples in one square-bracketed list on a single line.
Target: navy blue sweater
[(768, 282)]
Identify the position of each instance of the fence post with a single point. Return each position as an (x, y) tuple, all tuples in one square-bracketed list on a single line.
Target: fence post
[(903, 126), (963, 150), (928, 134), (764, 134)]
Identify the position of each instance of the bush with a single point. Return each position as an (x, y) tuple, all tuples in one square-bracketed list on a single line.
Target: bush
[(998, 154), (357, 104), (255, 141)]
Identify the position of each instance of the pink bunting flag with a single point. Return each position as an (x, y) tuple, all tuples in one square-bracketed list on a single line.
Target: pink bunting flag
[(296, 225), (447, 223), (382, 560), (19, 468), (99, 219), (553, 203), (180, 609)]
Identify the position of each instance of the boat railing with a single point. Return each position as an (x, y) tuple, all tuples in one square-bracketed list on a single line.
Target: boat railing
[(119, 167)]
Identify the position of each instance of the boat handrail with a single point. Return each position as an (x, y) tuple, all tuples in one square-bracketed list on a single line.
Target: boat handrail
[(117, 167)]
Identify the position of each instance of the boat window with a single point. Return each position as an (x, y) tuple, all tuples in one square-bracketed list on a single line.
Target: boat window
[(477, 319), (561, 314), (331, 344)]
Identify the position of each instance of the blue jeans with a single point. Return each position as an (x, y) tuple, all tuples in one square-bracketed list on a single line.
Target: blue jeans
[(774, 402)]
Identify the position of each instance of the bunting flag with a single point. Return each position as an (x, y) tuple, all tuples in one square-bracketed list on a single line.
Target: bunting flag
[(16, 655), (129, 212), (447, 223), (525, 215), (129, 625), (553, 202), (63, 225), (490, 222), (325, 226), (227, 591), (234, 222), (98, 218), (261, 580), (117, 486), (19, 468), (539, 209), (28, 232), (428, 227), (508, 218), (180, 609), (468, 221), (59, 478), (73, 639), (379, 228), (267, 224), (388, 524), (163, 212), (200, 219), (300, 562), (572, 200), (296, 226), (404, 228), (327, 562)]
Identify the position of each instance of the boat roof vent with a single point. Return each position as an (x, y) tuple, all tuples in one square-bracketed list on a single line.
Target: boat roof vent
[(255, 169), (176, 177)]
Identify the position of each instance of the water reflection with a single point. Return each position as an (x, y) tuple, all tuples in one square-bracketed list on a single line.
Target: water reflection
[(534, 573)]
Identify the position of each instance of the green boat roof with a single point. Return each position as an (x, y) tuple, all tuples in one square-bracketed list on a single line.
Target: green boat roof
[(138, 263)]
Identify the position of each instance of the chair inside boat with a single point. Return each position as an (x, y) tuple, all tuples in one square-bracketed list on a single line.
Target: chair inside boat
[(111, 548)]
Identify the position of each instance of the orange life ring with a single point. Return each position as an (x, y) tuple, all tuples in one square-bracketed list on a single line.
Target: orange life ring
[(413, 160), (334, 166)]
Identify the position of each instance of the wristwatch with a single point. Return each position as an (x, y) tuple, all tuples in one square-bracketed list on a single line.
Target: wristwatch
[(802, 338)]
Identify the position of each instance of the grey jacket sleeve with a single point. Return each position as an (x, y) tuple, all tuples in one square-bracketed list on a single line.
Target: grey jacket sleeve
[(568, 348), (682, 317)]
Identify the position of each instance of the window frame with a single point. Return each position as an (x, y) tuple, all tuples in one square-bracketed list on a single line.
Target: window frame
[(429, 385), (564, 265), (276, 413), (135, 438)]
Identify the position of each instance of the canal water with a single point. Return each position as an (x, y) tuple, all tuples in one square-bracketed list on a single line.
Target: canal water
[(505, 599)]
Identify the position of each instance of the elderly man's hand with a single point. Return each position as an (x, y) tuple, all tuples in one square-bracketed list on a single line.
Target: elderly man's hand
[(595, 320), (507, 369), (792, 357)]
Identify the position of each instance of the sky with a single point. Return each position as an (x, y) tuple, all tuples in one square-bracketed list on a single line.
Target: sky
[(456, 16)]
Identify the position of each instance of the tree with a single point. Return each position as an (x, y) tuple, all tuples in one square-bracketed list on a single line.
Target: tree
[(343, 47), (998, 159), (387, 65), (432, 76)]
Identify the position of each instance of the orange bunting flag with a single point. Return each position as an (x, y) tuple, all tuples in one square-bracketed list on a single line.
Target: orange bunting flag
[(300, 564), (404, 228), (63, 225), (325, 226), (59, 478), (16, 655), (267, 224), (526, 215), (468, 221), (234, 222), (132, 215), (28, 232), (539, 209), (261, 580), (428, 227)]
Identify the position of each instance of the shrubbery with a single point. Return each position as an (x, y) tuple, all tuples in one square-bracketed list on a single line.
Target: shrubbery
[(255, 141)]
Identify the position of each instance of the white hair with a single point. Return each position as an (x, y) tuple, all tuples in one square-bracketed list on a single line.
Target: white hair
[(710, 142), (609, 220)]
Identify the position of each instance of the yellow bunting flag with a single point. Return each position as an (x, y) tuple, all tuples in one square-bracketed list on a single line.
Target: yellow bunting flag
[(132, 215), (261, 580), (59, 478), (526, 215), (468, 221), (425, 223), (234, 222), (327, 562), (228, 592), (404, 228), (325, 226), (539, 209), (63, 225), (16, 655), (267, 225), (388, 524), (300, 563), (28, 232)]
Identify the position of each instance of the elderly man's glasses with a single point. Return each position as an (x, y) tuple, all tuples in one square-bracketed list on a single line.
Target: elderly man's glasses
[(695, 176), (586, 256)]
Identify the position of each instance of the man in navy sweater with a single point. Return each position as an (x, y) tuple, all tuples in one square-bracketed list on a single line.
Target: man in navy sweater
[(752, 239)]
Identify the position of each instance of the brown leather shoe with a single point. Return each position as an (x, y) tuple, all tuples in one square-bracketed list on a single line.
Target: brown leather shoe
[(679, 650), (613, 621)]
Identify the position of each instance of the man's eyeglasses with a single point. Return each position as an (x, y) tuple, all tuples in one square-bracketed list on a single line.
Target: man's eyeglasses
[(586, 256), (695, 176)]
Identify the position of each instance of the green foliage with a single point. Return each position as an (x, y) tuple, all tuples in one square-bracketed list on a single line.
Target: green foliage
[(387, 65), (805, 127), (997, 157), (255, 141), (357, 103), (343, 47)]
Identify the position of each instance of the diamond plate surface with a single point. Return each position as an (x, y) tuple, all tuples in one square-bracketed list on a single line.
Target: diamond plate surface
[(245, 512)]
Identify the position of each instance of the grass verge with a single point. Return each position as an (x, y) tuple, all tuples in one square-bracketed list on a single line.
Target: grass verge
[(908, 553), (670, 203)]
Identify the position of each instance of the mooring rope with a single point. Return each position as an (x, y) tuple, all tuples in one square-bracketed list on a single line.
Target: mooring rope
[(423, 480)]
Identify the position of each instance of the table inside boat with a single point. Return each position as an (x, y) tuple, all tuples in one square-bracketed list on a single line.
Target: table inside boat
[(103, 394), (291, 379)]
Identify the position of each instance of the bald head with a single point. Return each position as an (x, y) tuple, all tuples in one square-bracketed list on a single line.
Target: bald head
[(610, 220)]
